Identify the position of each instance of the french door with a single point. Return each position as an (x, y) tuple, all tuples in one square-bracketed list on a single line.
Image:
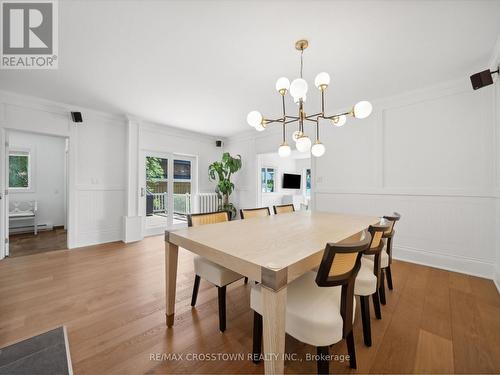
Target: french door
[(167, 191)]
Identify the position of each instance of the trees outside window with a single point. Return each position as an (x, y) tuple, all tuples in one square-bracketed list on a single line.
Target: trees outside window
[(19, 170)]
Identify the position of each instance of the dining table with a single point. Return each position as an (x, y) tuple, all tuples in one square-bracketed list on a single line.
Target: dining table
[(273, 251)]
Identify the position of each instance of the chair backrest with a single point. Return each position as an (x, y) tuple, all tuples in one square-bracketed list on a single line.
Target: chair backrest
[(389, 234), (208, 218), (249, 213), (283, 208), (376, 245), (22, 206), (392, 221), (339, 267)]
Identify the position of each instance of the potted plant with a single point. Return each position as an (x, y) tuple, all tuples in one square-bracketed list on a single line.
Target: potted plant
[(221, 172)]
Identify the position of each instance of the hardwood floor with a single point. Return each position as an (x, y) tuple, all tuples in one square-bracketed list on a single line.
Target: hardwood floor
[(111, 298), (28, 244)]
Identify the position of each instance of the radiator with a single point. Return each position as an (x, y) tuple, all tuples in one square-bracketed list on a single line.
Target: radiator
[(208, 202)]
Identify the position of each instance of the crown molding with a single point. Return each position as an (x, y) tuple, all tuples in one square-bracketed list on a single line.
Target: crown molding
[(63, 109)]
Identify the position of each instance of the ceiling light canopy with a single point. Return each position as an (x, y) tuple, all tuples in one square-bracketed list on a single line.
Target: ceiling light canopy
[(298, 91)]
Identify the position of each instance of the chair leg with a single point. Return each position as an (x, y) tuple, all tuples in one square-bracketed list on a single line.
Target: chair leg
[(257, 337), (376, 305), (365, 317), (381, 289), (322, 362), (222, 307), (246, 280), (196, 286), (351, 350), (389, 276)]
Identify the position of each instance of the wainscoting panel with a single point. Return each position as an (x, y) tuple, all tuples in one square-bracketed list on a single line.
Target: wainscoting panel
[(100, 215), (443, 143), (455, 233)]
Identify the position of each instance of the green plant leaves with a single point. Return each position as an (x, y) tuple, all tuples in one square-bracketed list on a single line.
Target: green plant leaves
[(221, 171)]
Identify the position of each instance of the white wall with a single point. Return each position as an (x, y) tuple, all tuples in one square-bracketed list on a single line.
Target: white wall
[(281, 165), (96, 163), (47, 154), (161, 138), (146, 137), (427, 154), (104, 162)]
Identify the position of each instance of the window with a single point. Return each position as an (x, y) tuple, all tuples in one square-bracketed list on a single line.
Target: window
[(267, 181), (19, 170), (308, 182)]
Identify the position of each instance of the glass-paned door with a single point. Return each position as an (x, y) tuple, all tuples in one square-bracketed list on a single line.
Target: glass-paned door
[(168, 191), (182, 190), (157, 191)]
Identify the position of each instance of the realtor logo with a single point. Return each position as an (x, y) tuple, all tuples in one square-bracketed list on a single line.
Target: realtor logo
[(29, 34)]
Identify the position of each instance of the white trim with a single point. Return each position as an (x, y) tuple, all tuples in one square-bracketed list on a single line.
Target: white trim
[(455, 263), (420, 192)]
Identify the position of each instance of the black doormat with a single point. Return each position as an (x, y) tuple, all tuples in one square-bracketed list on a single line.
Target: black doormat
[(45, 354)]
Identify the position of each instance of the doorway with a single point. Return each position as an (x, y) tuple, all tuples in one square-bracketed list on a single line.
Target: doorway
[(168, 188), (284, 180), (36, 182)]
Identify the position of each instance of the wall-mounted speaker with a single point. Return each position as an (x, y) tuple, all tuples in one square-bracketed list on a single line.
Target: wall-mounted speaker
[(219, 143), (76, 116), (482, 79)]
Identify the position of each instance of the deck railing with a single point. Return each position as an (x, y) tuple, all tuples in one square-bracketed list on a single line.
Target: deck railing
[(182, 203)]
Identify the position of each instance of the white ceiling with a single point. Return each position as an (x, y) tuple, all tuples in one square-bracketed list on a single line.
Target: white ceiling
[(202, 65)]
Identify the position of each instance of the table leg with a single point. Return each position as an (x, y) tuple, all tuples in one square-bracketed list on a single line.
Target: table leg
[(274, 311), (171, 253)]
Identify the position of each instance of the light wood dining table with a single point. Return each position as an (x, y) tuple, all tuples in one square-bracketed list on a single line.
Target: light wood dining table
[(273, 250)]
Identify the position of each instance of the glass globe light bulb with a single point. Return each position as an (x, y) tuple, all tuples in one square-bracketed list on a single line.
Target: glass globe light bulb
[(303, 143), (282, 85), (318, 149), (260, 127), (254, 118), (284, 150), (322, 80), (339, 120), (298, 88), (362, 109)]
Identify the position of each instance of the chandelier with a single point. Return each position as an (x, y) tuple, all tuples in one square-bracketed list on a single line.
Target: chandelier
[(298, 90)]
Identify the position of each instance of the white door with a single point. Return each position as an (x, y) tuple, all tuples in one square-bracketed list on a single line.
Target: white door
[(167, 188)]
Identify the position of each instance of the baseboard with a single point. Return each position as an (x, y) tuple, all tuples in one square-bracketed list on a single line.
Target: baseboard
[(30, 228), (468, 266), (98, 237), (496, 280)]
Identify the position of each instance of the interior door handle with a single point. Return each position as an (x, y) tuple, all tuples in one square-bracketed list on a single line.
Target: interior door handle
[(143, 192)]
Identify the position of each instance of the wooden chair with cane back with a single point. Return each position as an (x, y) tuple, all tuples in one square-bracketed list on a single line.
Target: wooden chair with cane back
[(368, 279), (210, 271), (386, 255), (250, 213), (283, 208), (320, 305)]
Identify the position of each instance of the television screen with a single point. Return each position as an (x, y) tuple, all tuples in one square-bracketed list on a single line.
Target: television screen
[(291, 181)]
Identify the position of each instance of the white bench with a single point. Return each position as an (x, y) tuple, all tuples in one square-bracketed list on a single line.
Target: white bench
[(23, 210)]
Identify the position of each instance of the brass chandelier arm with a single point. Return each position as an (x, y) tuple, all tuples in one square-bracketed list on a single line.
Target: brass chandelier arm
[(287, 121), (349, 113)]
